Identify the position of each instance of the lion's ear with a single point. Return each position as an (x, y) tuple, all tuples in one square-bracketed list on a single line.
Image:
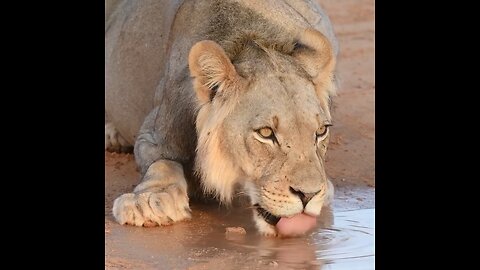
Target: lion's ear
[(315, 53), (211, 68)]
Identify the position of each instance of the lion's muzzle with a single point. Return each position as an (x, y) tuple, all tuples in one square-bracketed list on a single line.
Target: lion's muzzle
[(304, 197)]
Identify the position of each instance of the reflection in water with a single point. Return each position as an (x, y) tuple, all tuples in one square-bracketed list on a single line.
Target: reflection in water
[(346, 243), (349, 243), (343, 240)]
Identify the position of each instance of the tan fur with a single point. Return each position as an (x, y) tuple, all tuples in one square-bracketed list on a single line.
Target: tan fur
[(159, 200), (320, 64), (209, 66), (254, 65)]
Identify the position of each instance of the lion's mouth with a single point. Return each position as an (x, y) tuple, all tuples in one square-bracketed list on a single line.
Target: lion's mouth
[(267, 216)]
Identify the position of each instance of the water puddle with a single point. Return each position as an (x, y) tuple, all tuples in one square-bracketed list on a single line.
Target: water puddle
[(343, 240), (349, 243)]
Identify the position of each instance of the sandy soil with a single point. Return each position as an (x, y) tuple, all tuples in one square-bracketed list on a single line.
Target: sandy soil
[(350, 164)]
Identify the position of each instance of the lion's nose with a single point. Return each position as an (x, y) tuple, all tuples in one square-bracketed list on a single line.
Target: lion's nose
[(304, 197)]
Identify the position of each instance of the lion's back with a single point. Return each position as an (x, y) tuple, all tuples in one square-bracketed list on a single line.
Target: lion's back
[(135, 43), (147, 45)]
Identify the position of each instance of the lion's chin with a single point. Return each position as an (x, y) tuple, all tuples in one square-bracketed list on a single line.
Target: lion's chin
[(267, 216), (263, 227)]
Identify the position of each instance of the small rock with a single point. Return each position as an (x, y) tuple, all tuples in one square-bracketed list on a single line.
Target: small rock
[(273, 263), (238, 230)]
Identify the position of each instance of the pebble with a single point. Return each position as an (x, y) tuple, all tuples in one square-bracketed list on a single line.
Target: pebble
[(238, 230)]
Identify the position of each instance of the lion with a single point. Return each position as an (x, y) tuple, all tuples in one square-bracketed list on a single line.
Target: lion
[(220, 95)]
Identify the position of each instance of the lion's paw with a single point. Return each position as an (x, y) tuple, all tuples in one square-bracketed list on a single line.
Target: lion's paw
[(114, 142), (152, 208)]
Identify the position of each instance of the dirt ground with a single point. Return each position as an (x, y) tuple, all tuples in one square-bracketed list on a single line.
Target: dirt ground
[(350, 165)]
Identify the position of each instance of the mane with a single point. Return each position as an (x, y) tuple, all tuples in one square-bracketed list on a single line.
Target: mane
[(213, 163)]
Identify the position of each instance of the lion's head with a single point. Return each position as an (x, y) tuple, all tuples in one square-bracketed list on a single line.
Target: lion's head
[(263, 122)]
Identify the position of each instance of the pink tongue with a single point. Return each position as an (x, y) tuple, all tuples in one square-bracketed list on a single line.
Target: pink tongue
[(296, 225)]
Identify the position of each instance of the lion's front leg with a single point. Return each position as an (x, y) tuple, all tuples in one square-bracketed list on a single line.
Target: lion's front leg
[(160, 199)]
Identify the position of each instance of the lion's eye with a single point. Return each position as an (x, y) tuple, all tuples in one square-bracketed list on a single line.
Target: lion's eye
[(266, 135), (322, 132), (265, 132)]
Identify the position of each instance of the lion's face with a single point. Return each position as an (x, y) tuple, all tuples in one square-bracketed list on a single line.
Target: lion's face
[(265, 127), (278, 136)]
